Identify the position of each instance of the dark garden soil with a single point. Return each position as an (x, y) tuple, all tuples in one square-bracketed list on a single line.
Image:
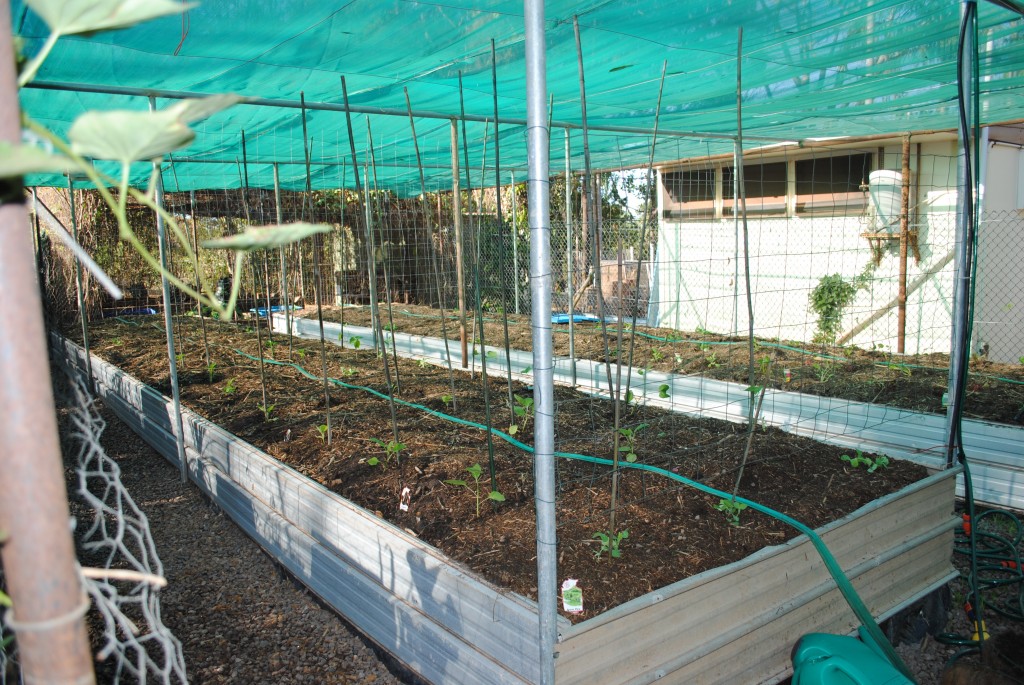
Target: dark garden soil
[(674, 531), (995, 392)]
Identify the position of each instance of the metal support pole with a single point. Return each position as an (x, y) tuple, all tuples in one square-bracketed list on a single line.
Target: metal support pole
[(79, 289), (279, 216), (515, 243), (543, 367), (570, 258), (38, 552), (161, 237)]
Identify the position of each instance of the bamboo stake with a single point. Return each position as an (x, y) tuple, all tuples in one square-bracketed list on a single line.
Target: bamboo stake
[(388, 295), (743, 214), (317, 286), (433, 252), (501, 230), (901, 315), (195, 250), (570, 258), (279, 215)]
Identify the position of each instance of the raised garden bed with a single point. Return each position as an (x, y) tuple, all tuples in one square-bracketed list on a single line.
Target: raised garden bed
[(393, 584)]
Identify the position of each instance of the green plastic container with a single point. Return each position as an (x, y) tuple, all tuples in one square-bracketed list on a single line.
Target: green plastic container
[(824, 659)]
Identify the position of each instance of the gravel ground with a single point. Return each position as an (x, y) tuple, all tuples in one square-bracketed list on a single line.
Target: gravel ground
[(242, 620), (238, 617)]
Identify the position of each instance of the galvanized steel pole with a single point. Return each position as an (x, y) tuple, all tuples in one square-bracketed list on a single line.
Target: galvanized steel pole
[(38, 553), (538, 138), (161, 236)]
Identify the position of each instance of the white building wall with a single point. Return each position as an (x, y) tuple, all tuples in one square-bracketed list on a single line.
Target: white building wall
[(699, 277)]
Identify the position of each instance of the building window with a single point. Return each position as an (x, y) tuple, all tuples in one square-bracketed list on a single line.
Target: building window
[(764, 186), (688, 194), (832, 185)]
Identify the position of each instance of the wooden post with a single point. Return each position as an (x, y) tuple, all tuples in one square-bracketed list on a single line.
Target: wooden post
[(901, 322), (457, 216)]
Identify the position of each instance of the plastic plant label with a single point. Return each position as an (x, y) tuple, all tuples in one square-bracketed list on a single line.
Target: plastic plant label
[(945, 399), (789, 375), (572, 597), (405, 499)]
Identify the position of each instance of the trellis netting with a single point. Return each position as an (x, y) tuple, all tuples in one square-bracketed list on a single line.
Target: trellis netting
[(812, 69)]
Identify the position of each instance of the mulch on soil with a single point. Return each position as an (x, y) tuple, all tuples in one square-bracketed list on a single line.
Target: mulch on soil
[(674, 531)]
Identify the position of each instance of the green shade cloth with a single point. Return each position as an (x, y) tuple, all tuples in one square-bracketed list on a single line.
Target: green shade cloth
[(811, 69)]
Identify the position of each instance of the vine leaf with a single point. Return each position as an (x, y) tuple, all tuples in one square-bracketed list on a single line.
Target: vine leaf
[(67, 18), (18, 160), (267, 237), (127, 136)]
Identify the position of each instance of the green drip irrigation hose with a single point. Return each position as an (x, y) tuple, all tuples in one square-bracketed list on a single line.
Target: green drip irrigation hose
[(862, 613), (842, 582)]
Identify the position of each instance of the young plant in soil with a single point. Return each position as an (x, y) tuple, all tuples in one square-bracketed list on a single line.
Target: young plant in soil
[(523, 411), (268, 411), (230, 388), (610, 543), (210, 368), (392, 450), (322, 432), (731, 508), (881, 461), (629, 435), (476, 471)]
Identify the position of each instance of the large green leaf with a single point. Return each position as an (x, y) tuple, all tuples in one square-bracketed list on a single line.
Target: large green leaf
[(195, 109), (66, 17), (266, 237), (18, 160), (127, 136)]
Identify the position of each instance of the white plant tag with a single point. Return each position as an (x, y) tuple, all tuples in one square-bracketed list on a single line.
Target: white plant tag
[(405, 498), (572, 597)]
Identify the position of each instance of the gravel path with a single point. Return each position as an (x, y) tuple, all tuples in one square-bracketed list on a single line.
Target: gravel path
[(238, 617), (242, 620)]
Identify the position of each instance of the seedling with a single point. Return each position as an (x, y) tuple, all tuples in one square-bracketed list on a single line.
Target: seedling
[(355, 342), (230, 388), (657, 354), (270, 345), (391, 451), (348, 371), (825, 371), (447, 399), (210, 368), (610, 543), (268, 410), (301, 352), (731, 508), (713, 361), (180, 358), (881, 461), (322, 432), (765, 365), (476, 471), (628, 435), (523, 410)]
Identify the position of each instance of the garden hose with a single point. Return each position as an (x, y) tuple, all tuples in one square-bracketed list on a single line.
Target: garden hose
[(842, 582), (870, 627)]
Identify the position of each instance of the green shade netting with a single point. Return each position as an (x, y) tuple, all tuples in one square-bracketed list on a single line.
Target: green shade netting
[(811, 69)]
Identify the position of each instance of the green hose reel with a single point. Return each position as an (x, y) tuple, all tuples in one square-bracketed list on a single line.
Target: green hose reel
[(824, 659)]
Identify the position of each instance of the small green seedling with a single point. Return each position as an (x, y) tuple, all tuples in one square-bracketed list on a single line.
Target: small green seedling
[(270, 344), (713, 361), (392, 450), (447, 399), (348, 371), (881, 461), (476, 471), (656, 354), (301, 352), (210, 368), (355, 342), (230, 388), (628, 435), (423, 363), (610, 543), (268, 411), (663, 391), (731, 508), (322, 432), (523, 410), (180, 359), (764, 364)]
